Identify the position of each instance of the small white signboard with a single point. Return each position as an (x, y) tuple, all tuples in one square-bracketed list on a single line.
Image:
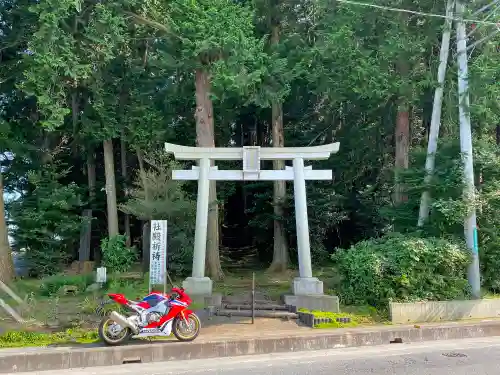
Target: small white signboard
[(158, 253), (101, 275)]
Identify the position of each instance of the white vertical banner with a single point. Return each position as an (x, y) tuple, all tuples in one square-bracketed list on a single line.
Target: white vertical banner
[(158, 253)]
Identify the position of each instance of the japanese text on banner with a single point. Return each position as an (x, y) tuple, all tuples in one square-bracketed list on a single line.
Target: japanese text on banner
[(158, 252)]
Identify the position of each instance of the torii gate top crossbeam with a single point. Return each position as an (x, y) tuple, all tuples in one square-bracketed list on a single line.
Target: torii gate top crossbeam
[(265, 153)]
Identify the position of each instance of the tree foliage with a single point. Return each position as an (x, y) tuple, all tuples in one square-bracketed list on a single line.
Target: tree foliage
[(156, 196), (46, 220), (77, 73)]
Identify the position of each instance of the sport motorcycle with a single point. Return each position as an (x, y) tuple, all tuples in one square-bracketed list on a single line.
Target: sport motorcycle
[(158, 314)]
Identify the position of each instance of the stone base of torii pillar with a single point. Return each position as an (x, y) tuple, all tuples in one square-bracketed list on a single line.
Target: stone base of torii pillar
[(306, 285), (198, 286)]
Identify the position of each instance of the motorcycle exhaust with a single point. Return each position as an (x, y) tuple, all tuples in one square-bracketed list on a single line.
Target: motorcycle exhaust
[(121, 320)]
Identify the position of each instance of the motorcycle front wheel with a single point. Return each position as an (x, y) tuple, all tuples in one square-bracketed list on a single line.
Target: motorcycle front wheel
[(186, 329), (112, 333)]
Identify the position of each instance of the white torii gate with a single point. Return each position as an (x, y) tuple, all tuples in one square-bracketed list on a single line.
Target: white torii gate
[(306, 284)]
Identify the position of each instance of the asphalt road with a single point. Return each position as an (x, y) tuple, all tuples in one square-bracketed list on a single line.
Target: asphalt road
[(457, 357)]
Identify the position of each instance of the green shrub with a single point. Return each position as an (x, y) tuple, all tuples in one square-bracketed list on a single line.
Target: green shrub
[(402, 268), (116, 255), (131, 288), (51, 285), (489, 256), (45, 220)]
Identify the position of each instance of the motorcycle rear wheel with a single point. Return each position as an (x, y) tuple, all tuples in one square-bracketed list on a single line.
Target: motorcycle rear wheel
[(108, 337), (184, 333)]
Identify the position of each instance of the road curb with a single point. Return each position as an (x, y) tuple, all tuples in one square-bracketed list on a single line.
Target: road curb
[(41, 359)]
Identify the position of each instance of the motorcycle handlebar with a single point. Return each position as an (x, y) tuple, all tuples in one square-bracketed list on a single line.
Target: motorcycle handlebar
[(176, 292)]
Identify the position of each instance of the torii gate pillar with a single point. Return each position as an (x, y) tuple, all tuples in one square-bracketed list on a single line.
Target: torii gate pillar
[(306, 284)]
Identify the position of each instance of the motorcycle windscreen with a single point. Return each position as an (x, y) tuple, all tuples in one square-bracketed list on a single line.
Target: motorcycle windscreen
[(153, 299)]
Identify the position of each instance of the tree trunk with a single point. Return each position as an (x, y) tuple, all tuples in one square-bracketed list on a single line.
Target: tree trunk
[(74, 117), (123, 157), (402, 149), (214, 268), (86, 231), (146, 227), (146, 238), (6, 262), (109, 168), (402, 134), (142, 173), (146, 224), (91, 176), (205, 137), (280, 248)]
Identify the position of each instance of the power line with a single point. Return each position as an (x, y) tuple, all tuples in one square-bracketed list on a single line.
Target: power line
[(382, 7), (483, 39), (490, 13), (485, 7)]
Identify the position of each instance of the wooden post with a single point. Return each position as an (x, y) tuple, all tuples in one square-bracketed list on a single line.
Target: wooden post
[(165, 280), (253, 297)]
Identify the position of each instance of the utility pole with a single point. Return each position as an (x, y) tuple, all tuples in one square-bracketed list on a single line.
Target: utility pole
[(436, 113), (470, 228)]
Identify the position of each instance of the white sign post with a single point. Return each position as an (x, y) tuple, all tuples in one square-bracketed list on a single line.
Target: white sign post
[(251, 156), (158, 254), (101, 276)]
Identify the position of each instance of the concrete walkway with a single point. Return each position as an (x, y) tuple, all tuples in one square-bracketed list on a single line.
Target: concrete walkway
[(237, 327)]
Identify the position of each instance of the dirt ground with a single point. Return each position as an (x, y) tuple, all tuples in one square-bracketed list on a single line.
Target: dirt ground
[(235, 327)]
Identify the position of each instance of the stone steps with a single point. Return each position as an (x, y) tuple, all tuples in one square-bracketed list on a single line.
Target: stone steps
[(258, 306), (264, 308), (258, 314)]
